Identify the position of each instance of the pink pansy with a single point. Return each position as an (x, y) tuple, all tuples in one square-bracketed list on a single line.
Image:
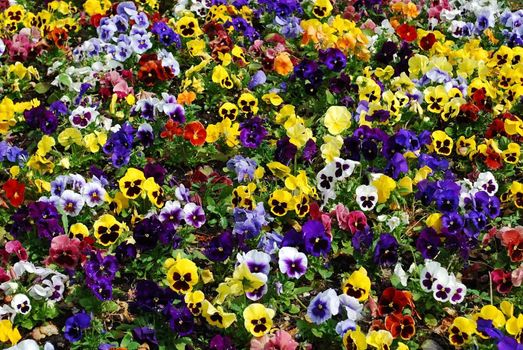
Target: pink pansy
[(259, 343), (281, 341), (517, 276), (342, 216), (4, 277), (64, 252), (15, 247), (327, 223), (357, 221)]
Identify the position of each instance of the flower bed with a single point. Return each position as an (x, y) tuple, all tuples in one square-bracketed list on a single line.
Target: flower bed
[(261, 174)]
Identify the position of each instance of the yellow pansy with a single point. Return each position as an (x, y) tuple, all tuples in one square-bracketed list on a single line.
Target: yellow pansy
[(278, 169), (79, 231), (491, 313), (242, 281), (41, 164), (337, 119), (280, 202), (451, 108), (45, 144), (436, 97), (230, 131), (512, 153), (434, 221), (385, 185), (107, 229), (384, 73), (299, 182), (60, 6), (215, 316), (118, 203), (331, 147), (357, 285), (154, 192), (9, 333), (272, 98), (405, 186), (194, 301), (322, 8), (381, 339), (228, 110), (298, 134), (221, 76), (196, 47), (465, 145), (42, 185), (93, 7), (188, 27), (442, 143), (18, 69), (513, 127), (69, 137), (182, 274), (285, 113), (7, 113), (418, 65), (355, 339), (258, 319), (248, 103), (461, 331), (131, 184), (94, 140)]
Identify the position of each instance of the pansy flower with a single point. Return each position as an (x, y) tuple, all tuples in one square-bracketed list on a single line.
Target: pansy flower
[(400, 325), (195, 133), (21, 304), (380, 339), (258, 319), (75, 325), (366, 197), (194, 215), (194, 301), (182, 274), (291, 262), (280, 202), (317, 242), (386, 251), (461, 331), (393, 300), (354, 339), (357, 285), (502, 281), (14, 192), (131, 184), (107, 229), (93, 194), (215, 316)]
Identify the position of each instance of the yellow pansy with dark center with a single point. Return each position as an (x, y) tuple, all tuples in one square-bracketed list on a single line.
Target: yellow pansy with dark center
[(442, 143), (248, 104), (461, 330), (107, 229), (357, 285), (279, 202), (228, 110), (131, 183), (258, 319), (182, 275)]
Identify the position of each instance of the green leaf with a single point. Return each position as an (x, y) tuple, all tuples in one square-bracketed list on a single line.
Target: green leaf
[(294, 309), (65, 79), (42, 88), (317, 332), (110, 306)]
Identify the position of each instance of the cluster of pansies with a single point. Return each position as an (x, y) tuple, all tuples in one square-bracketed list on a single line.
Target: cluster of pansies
[(238, 174)]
